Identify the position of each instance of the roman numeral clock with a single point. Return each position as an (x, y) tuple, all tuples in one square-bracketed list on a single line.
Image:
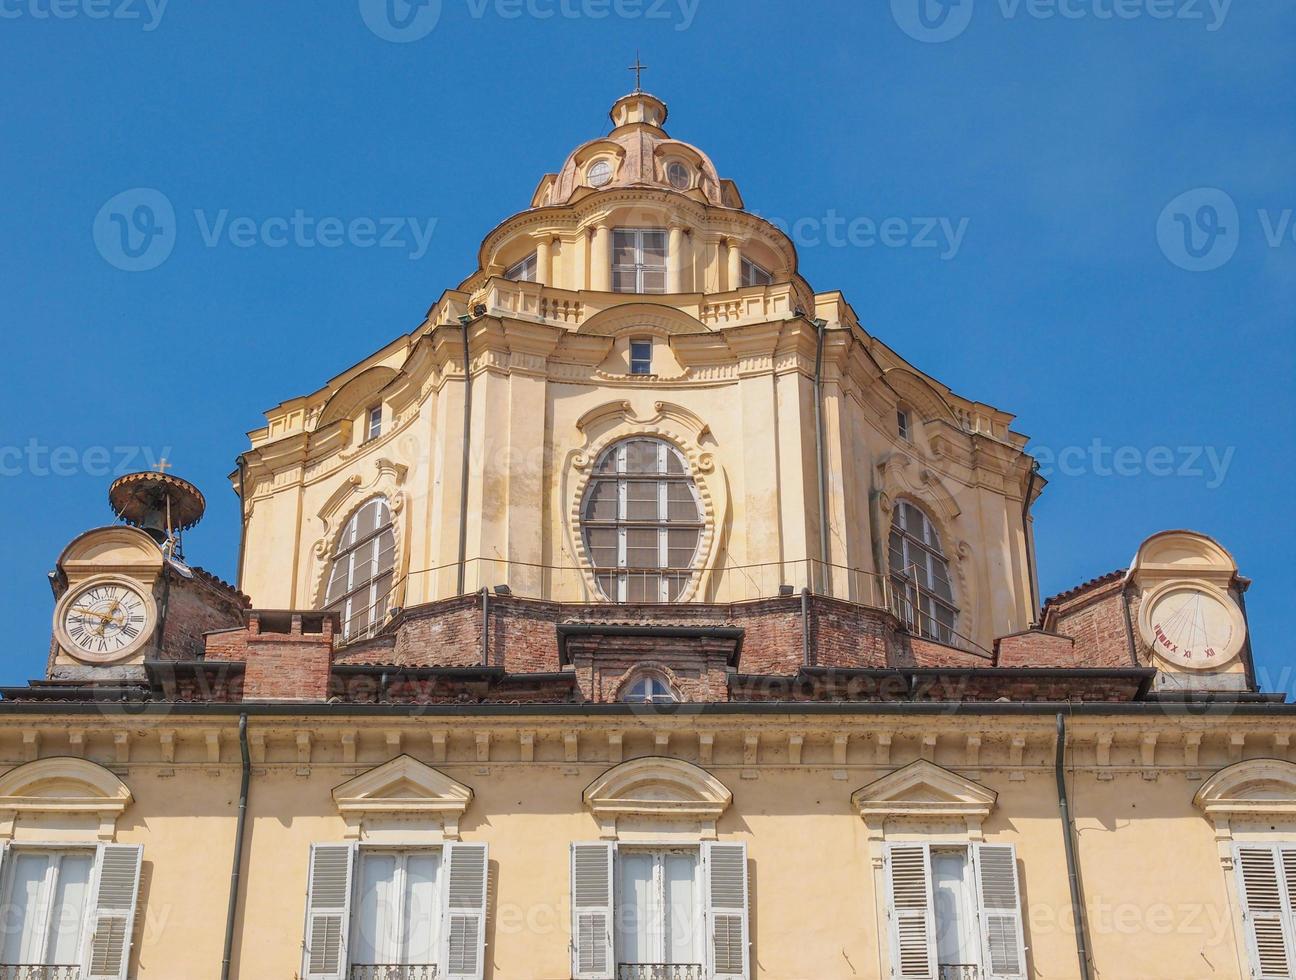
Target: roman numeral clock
[(111, 582)]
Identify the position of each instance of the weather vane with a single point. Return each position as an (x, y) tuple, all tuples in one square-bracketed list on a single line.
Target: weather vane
[(638, 68)]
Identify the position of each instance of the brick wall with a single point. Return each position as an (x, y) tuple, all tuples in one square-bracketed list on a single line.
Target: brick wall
[(1094, 617), (288, 655), (195, 607)]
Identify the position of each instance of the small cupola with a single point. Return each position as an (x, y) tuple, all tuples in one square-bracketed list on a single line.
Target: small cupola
[(639, 109)]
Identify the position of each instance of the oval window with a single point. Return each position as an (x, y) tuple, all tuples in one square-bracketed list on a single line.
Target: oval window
[(679, 176), (600, 174)]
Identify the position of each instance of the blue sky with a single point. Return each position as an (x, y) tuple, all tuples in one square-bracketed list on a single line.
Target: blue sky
[(1055, 179)]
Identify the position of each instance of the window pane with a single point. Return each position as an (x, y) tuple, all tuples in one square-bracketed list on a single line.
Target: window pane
[(654, 248), (675, 463), (602, 544), (22, 944), (641, 501), (642, 549), (641, 457), (680, 505), (421, 921), (643, 587), (634, 919), (654, 281), (682, 545), (602, 502), (625, 281), (377, 932), (956, 942), (683, 944), (67, 916)]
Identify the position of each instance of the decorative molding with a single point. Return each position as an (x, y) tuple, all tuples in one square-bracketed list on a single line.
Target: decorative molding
[(657, 789), (401, 792), (925, 791), (63, 786)]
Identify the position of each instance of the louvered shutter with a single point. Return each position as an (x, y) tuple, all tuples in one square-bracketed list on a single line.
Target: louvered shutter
[(112, 915), (463, 927), (913, 919), (591, 884), (328, 911), (999, 896), (1267, 881), (725, 872)]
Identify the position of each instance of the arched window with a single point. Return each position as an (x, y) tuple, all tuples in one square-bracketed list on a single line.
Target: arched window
[(648, 688), (920, 575), (642, 522), (360, 580)]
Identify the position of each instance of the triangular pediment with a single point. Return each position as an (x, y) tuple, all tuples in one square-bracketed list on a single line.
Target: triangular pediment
[(924, 789), (403, 785)]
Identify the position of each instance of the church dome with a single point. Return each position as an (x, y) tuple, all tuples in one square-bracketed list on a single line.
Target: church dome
[(638, 152)]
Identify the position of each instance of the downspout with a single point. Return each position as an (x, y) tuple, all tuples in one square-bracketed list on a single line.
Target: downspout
[(1068, 839), (485, 661), (1030, 543), (237, 870), (466, 322), (242, 491), (805, 627), (820, 327)]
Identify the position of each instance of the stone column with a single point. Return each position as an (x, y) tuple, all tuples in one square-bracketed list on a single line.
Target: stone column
[(735, 264), (675, 261), (601, 260), (544, 261)]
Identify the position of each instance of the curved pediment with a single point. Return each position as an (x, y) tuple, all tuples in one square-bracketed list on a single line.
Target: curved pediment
[(658, 788), (1253, 788), (353, 396), (925, 790), (403, 789), (64, 787)]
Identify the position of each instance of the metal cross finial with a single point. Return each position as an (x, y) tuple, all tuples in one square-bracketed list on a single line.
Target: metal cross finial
[(162, 466), (638, 68)]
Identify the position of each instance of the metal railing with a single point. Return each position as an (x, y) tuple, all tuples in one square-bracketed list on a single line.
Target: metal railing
[(659, 971), (393, 971), (12, 971), (960, 971)]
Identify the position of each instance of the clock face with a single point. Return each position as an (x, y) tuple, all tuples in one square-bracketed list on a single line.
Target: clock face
[(1194, 628), (105, 621)]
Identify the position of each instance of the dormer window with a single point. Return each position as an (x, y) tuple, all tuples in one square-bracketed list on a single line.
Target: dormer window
[(524, 271), (649, 689), (903, 425), (639, 260), (641, 357), (373, 423), (679, 176), (755, 275), (599, 174)]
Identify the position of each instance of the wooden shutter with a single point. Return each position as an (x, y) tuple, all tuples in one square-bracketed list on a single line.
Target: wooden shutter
[(724, 869), (1266, 876), (112, 912), (591, 890), (463, 926), (328, 911), (999, 897), (913, 918)]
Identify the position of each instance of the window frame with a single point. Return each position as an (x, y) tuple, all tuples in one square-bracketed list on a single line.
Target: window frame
[(754, 274), (904, 424), (620, 576), (48, 889), (916, 601), (594, 164), (651, 678), (639, 268), (403, 852), (344, 603), (659, 907), (688, 175), (524, 270), (638, 359), (373, 423)]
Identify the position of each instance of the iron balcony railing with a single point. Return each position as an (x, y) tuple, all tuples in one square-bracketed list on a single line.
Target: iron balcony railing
[(393, 971), (13, 971), (960, 971), (659, 971)]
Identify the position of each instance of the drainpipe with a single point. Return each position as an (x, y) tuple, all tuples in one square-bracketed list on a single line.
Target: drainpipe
[(805, 627), (237, 870), (1030, 543), (1068, 839), (820, 328), (485, 661), (466, 322)]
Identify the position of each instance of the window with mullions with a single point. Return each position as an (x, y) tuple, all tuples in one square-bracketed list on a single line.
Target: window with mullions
[(642, 522), (397, 920), (524, 271), (648, 689), (920, 576), (755, 275), (360, 581), (639, 260)]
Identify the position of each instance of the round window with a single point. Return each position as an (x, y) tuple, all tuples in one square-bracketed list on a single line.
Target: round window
[(679, 176), (600, 174)]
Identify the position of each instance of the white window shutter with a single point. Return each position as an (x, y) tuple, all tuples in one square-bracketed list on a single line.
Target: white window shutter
[(725, 873), (463, 927), (913, 918), (328, 911), (591, 891), (112, 912), (1266, 877), (1003, 943)]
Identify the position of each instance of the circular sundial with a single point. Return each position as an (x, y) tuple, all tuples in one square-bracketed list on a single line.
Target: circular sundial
[(1192, 626)]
